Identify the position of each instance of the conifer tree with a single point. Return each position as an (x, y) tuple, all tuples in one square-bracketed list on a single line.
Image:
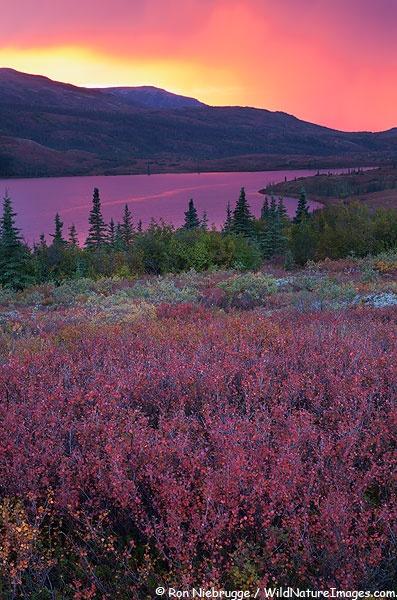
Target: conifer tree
[(281, 241), (127, 228), (282, 212), (265, 209), (97, 232), (303, 242), (14, 254), (41, 263), (302, 210), (267, 239), (10, 235), (139, 227), (118, 238), (73, 239), (56, 257), (57, 236), (242, 222), (227, 226), (42, 242), (81, 268), (204, 221), (289, 262), (191, 217), (111, 233), (273, 209), (273, 240)]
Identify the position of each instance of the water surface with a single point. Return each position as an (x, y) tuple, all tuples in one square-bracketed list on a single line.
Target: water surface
[(159, 196)]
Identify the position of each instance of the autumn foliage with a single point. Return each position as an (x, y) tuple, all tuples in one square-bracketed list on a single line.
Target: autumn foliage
[(201, 447)]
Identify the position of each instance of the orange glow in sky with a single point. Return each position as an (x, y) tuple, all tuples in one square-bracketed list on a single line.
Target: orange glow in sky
[(327, 61)]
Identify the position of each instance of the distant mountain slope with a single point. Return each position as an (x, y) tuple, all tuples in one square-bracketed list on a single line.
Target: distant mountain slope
[(102, 131), (37, 91), (152, 97)]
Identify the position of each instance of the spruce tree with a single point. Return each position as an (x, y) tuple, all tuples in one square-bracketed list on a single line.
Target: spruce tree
[(41, 263), (57, 236), (139, 227), (204, 222), (127, 228), (42, 242), (281, 241), (111, 234), (227, 226), (273, 209), (97, 232), (118, 238), (242, 222), (57, 256), (273, 241), (303, 242), (265, 209), (10, 235), (282, 212), (267, 239), (81, 268), (73, 239), (289, 262), (191, 217), (14, 254), (302, 210)]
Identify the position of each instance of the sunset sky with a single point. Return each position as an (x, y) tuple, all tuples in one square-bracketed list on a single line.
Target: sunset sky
[(333, 62)]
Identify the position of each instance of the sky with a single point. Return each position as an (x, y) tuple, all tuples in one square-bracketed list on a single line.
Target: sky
[(332, 62)]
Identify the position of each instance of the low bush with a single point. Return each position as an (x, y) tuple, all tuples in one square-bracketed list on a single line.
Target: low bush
[(162, 290), (248, 289), (69, 291), (199, 448), (386, 262), (7, 296)]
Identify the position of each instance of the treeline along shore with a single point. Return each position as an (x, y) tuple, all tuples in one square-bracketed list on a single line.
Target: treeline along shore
[(124, 248)]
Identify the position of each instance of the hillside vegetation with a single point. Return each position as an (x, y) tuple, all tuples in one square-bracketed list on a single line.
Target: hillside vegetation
[(373, 187), (85, 131), (220, 429), (229, 424)]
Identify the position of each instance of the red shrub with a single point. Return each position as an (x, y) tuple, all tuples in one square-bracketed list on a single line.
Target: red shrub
[(181, 311), (214, 297), (197, 451)]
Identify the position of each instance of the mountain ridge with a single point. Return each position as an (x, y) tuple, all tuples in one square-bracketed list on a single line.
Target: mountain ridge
[(112, 130), (149, 96)]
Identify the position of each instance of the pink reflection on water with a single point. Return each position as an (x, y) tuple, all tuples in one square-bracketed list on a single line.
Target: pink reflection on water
[(159, 196)]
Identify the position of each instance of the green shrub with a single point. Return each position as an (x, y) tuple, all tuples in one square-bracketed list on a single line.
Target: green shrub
[(102, 301), (106, 285), (322, 292), (32, 297), (125, 312), (369, 274), (330, 292), (7, 295), (162, 290), (305, 282), (248, 289), (68, 292)]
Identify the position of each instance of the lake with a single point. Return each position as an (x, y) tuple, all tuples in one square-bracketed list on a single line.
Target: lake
[(159, 196)]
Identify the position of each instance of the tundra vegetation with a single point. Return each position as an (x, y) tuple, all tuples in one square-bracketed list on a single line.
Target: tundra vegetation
[(180, 409)]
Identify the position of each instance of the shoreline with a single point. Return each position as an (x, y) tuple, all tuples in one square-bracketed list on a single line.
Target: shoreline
[(183, 172)]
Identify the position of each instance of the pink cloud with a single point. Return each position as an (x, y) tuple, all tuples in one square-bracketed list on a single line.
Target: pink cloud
[(331, 61)]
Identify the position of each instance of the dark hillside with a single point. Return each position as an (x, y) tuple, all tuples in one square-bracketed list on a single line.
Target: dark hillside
[(118, 135)]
